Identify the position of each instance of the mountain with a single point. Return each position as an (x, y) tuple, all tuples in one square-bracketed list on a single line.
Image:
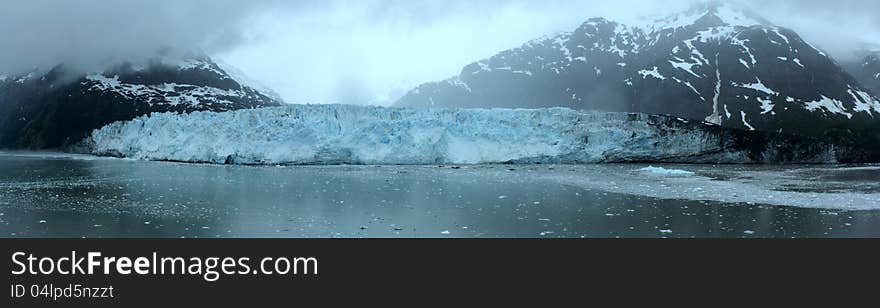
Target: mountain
[(57, 108), (867, 70), (715, 62)]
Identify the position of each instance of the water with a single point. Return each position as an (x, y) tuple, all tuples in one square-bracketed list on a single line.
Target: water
[(54, 195)]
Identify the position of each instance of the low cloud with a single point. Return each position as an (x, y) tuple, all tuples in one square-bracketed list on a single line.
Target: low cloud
[(90, 34), (353, 50)]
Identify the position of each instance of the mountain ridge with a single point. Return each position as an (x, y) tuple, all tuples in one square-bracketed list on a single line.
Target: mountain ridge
[(723, 65), (57, 108)]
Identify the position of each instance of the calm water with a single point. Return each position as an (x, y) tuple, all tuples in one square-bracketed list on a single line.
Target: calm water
[(78, 196)]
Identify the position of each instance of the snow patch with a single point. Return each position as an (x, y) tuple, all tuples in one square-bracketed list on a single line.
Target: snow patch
[(746, 123), (690, 86), (246, 81), (715, 117), (27, 77), (734, 17), (457, 82), (829, 105), (653, 73), (168, 93), (864, 102), (686, 66), (766, 105), (757, 86), (196, 64)]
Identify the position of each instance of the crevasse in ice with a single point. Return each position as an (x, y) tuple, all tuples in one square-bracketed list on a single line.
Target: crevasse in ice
[(344, 134)]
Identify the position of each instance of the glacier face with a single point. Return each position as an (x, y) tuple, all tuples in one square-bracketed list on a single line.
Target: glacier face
[(344, 134)]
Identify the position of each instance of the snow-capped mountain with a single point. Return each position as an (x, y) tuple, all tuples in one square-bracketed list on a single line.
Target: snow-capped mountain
[(715, 62), (57, 108)]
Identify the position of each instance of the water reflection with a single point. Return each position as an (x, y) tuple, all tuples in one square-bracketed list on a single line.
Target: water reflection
[(64, 197)]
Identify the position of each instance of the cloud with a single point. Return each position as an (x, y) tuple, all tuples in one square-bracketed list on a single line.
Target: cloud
[(87, 34), (353, 51), (840, 27), (381, 47)]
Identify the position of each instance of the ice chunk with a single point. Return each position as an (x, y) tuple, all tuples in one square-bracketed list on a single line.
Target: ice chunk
[(664, 171)]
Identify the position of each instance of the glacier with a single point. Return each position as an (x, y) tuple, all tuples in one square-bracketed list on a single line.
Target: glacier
[(346, 134)]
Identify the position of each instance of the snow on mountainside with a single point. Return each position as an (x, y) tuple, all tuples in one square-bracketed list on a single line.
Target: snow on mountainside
[(716, 63), (344, 134), (867, 69), (58, 108), (186, 85), (246, 81)]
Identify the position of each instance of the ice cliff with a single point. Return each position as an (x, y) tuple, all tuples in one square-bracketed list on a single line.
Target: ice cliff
[(343, 134)]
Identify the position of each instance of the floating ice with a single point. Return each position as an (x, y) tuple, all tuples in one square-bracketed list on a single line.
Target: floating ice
[(664, 171)]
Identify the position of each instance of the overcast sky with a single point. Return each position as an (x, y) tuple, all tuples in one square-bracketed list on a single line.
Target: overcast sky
[(353, 51)]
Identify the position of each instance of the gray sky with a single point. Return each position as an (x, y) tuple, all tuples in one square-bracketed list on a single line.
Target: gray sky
[(353, 50)]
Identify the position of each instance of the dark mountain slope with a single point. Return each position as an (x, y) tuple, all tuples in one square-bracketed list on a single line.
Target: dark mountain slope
[(55, 109)]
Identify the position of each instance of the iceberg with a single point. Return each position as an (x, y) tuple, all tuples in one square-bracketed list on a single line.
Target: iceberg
[(346, 134), (664, 171)]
